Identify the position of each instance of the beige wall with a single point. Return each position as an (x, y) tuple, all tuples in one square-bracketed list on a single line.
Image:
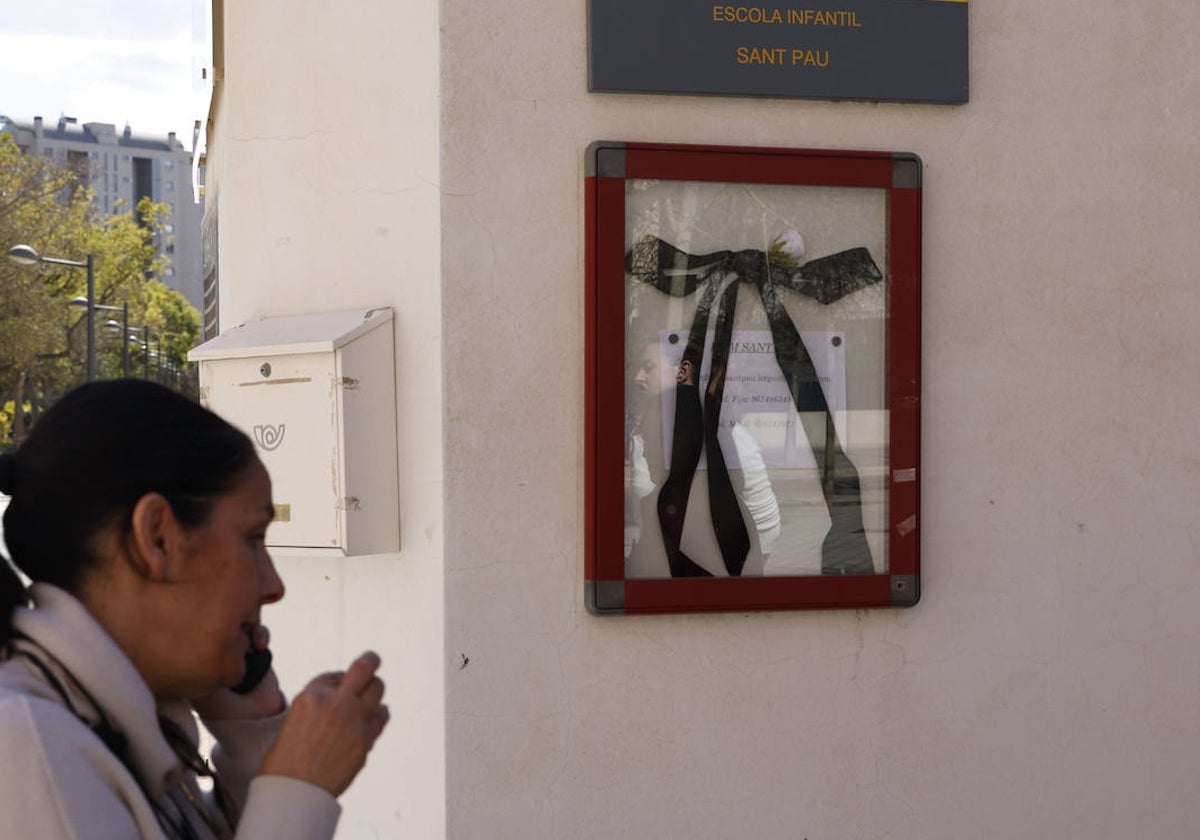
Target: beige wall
[(430, 156), (323, 169)]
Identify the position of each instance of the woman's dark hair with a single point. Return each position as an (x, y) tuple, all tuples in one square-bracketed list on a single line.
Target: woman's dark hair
[(89, 459)]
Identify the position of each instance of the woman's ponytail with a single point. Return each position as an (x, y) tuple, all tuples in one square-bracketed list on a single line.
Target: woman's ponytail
[(8, 474)]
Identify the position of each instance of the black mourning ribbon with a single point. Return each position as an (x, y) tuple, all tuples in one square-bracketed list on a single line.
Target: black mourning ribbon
[(826, 279)]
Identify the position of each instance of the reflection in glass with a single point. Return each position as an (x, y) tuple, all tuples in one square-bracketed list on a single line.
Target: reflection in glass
[(756, 401)]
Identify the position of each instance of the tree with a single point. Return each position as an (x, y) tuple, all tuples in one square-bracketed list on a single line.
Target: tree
[(42, 339), (31, 314)]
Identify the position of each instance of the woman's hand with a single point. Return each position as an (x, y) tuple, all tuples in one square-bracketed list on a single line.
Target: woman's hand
[(330, 727), (264, 700)]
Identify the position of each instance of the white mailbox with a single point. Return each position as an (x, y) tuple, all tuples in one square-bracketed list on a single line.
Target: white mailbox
[(317, 395)]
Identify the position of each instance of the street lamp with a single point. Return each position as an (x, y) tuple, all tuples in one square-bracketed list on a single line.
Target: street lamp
[(24, 255), (81, 302), (145, 342), (113, 326)]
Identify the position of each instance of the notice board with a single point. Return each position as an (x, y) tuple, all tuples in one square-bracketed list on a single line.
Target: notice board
[(885, 50), (752, 378)]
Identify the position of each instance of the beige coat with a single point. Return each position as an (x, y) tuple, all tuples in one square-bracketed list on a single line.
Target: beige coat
[(59, 780)]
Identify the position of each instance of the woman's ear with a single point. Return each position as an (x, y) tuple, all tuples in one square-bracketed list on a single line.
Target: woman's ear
[(153, 538)]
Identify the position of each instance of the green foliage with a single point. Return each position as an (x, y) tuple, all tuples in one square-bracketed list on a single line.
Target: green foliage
[(6, 423), (43, 339)]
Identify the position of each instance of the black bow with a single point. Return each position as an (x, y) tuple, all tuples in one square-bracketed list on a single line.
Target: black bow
[(827, 279)]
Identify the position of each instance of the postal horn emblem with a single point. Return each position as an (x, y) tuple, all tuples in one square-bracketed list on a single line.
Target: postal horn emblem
[(269, 437)]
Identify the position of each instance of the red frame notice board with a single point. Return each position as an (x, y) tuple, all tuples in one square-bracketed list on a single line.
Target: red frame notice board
[(753, 378)]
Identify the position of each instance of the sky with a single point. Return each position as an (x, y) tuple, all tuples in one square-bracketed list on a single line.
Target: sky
[(111, 61)]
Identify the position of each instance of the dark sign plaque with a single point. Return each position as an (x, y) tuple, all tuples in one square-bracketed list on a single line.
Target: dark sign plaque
[(900, 50), (753, 378)]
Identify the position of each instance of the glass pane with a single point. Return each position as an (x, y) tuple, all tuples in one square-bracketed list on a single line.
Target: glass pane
[(783, 286)]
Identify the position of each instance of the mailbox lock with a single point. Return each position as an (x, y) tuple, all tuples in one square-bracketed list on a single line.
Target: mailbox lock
[(265, 370)]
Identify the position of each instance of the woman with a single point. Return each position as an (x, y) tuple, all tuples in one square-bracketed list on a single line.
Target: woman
[(140, 519)]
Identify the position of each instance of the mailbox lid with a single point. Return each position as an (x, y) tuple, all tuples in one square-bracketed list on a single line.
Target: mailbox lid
[(321, 332)]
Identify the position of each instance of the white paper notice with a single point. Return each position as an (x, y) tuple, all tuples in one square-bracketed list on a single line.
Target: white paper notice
[(756, 395)]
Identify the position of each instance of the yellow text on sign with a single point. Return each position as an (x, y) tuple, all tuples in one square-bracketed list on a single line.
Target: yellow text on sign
[(782, 56), (795, 17)]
